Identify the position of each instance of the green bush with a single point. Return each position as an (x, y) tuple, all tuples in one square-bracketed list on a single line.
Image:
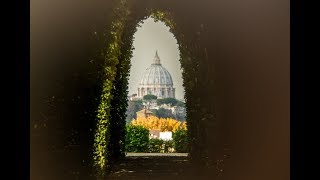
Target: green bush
[(137, 139), (155, 145), (167, 146), (160, 146), (180, 141)]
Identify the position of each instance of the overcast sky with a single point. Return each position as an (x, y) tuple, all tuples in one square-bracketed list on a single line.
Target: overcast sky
[(152, 36)]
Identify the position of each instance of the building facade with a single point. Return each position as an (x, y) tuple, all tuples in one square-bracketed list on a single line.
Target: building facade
[(157, 81), (144, 113)]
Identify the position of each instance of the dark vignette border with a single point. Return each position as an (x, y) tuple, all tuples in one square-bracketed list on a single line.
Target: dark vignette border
[(297, 125), (21, 98)]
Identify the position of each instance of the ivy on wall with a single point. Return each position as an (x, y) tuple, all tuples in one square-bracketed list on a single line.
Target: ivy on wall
[(119, 103), (111, 54)]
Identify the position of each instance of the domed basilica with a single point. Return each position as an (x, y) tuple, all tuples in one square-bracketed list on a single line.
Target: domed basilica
[(157, 81)]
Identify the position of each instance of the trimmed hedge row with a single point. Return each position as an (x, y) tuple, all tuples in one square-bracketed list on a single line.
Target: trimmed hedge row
[(137, 140)]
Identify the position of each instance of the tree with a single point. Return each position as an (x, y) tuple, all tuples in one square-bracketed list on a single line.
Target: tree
[(180, 104), (164, 113), (133, 107), (180, 117), (171, 101), (162, 124), (149, 98)]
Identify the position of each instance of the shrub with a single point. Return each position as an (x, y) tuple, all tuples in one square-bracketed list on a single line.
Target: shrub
[(180, 140), (160, 146), (155, 145), (168, 146), (137, 139)]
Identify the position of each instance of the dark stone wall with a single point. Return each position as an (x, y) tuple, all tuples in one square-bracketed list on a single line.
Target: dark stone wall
[(247, 43)]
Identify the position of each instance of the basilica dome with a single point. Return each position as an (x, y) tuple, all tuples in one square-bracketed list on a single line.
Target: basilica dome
[(156, 80), (156, 74)]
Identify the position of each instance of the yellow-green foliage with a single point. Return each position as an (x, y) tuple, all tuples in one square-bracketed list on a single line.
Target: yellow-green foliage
[(111, 56), (164, 17), (162, 124)]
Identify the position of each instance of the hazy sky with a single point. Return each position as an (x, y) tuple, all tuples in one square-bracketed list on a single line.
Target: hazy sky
[(152, 36)]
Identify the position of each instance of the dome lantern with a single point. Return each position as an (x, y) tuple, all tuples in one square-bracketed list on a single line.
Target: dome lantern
[(156, 59)]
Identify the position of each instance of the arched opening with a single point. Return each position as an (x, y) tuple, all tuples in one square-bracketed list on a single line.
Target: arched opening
[(109, 140), (155, 66)]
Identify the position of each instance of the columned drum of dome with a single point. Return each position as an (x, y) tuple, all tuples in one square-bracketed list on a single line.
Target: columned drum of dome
[(157, 81)]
